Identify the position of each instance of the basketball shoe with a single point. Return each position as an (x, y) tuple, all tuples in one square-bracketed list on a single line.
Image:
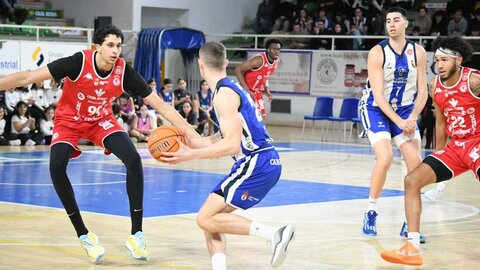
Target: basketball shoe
[(404, 233), (435, 193), (408, 254), (282, 237), (137, 247), (89, 242), (370, 223)]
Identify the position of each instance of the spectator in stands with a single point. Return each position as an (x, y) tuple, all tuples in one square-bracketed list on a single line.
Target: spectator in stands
[(283, 16), (423, 21), (372, 8), (166, 92), (321, 43), (457, 25), (466, 6), (12, 97), (55, 92), (298, 43), (23, 126), (326, 20), (142, 125), (206, 114), (3, 134), (305, 21), (46, 124), (181, 94), (340, 43), (439, 24), (188, 113), (39, 95), (341, 19), (127, 108), (264, 19), (378, 24), (475, 24), (358, 27), (328, 7), (7, 8)]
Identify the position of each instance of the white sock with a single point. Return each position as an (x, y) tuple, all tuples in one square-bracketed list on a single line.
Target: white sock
[(372, 204), (263, 231), (441, 185), (219, 261), (414, 237)]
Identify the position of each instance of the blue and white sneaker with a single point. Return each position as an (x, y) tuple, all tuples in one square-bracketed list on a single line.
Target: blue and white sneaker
[(137, 246), (370, 223), (404, 233)]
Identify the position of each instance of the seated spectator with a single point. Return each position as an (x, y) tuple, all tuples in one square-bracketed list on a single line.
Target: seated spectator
[(168, 97), (326, 20), (298, 43), (439, 23), (40, 96), (283, 16), (188, 113), (340, 43), (321, 43), (3, 135), (23, 126), (153, 86), (46, 124), (305, 22), (423, 22), (12, 97), (181, 94), (54, 93), (457, 25), (9, 10), (358, 27), (475, 24), (206, 113), (264, 19), (340, 19), (127, 108), (116, 110), (142, 125)]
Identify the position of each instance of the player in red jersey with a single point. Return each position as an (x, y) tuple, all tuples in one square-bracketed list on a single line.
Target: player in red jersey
[(456, 95), (253, 74), (93, 79)]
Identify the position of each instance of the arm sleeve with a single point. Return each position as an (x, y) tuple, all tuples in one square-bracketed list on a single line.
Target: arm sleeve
[(70, 67), (134, 84)]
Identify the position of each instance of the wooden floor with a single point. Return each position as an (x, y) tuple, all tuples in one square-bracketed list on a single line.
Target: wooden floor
[(323, 192)]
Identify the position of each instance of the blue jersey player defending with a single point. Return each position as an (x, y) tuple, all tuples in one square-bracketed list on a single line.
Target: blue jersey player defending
[(257, 165), (395, 95)]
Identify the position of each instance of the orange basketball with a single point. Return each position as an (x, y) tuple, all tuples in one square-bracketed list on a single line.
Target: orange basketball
[(163, 139)]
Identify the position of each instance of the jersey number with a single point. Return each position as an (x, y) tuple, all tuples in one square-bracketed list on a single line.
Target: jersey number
[(94, 110), (458, 122)]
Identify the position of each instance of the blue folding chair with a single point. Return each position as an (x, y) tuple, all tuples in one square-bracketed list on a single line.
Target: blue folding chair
[(348, 112), (323, 110)]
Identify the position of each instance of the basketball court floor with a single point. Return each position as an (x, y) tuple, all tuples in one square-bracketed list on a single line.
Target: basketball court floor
[(323, 191)]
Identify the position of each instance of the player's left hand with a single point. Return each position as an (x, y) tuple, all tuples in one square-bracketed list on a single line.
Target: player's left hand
[(183, 153), (269, 96)]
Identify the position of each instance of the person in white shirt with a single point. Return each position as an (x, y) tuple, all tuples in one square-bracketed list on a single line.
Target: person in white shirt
[(4, 137), (12, 97), (46, 125), (22, 124), (54, 94)]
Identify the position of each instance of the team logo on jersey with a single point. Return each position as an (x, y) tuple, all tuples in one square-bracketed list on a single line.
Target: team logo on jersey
[(81, 96), (116, 81), (259, 77), (88, 76), (118, 70), (438, 90), (327, 71), (471, 110), (409, 51), (474, 155), (55, 136), (453, 102), (463, 87), (244, 196), (99, 92), (464, 77)]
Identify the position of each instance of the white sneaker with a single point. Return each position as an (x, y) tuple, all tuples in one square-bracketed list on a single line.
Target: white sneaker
[(29, 143), (16, 142), (435, 193), (280, 241)]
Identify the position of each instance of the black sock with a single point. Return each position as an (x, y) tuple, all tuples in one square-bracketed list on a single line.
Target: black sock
[(77, 222), (136, 217)]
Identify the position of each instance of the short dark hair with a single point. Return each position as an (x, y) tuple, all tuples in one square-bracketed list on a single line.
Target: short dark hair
[(116, 108), (167, 81), (454, 43), (397, 9), (101, 33), (151, 80), (213, 55), (273, 41)]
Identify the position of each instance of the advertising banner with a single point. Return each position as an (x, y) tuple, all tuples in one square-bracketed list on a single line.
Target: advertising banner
[(39, 54), (9, 57), (293, 73)]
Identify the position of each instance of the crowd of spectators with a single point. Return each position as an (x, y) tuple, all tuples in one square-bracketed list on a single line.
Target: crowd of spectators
[(358, 18)]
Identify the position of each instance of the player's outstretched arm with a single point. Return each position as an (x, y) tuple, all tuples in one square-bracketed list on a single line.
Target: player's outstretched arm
[(24, 77), (171, 115), (226, 104), (422, 91)]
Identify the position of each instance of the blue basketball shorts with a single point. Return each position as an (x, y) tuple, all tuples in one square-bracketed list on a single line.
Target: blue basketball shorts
[(379, 126), (250, 179)]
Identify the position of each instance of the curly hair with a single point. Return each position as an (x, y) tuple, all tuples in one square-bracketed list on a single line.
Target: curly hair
[(454, 43), (101, 33), (273, 41)]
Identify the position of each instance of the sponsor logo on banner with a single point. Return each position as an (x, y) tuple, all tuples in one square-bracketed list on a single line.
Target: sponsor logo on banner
[(37, 56), (327, 70)]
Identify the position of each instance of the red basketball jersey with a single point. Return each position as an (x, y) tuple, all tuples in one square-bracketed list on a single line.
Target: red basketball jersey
[(88, 97), (256, 78), (460, 107)]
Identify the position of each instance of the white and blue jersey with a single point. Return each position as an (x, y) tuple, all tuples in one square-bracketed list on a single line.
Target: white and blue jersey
[(258, 169), (399, 76), (400, 90), (167, 98)]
